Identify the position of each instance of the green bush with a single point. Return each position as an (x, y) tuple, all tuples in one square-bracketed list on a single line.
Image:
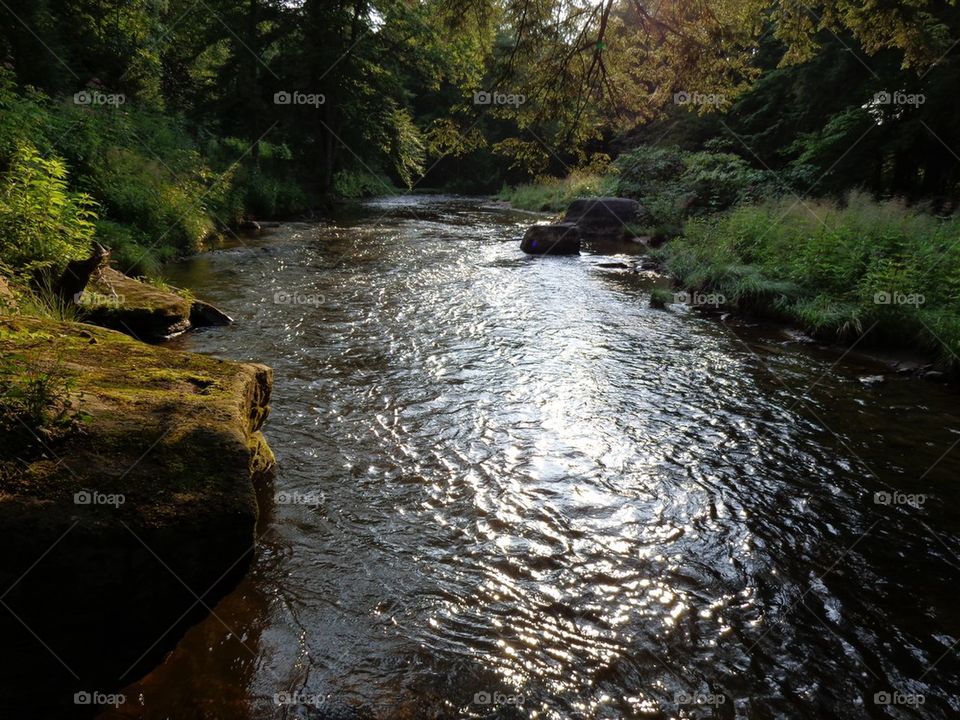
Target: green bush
[(160, 187), (717, 181), (131, 251), (838, 270), (43, 225), (644, 171), (35, 401), (269, 197), (674, 185), (356, 184), (140, 192)]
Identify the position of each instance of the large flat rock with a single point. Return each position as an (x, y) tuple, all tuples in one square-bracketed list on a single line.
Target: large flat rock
[(112, 532), (141, 310)]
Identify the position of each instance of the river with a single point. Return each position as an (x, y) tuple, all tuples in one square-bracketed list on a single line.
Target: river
[(508, 488)]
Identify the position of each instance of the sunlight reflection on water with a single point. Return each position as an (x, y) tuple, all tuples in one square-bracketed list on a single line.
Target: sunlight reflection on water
[(535, 485)]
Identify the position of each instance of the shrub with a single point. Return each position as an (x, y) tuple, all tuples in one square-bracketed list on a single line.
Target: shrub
[(716, 181), (268, 197), (43, 225), (157, 195), (356, 184), (141, 192), (838, 270), (35, 401), (674, 185), (130, 250)]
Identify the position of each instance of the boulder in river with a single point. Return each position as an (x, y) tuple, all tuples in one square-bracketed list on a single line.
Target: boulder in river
[(120, 533), (551, 240), (604, 217)]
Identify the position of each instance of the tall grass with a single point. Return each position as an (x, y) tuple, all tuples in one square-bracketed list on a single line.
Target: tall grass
[(838, 270), (555, 194)]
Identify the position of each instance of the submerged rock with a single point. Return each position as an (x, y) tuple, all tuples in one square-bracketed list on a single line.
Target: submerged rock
[(551, 240), (119, 534)]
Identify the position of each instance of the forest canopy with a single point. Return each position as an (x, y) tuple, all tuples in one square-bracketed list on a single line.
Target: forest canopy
[(351, 97)]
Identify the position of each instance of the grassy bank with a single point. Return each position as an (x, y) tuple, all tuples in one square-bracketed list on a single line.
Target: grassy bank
[(875, 268), (883, 270), (838, 270), (555, 194), (148, 185)]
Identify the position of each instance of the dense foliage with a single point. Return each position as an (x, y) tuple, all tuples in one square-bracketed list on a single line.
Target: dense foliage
[(152, 126), (860, 268)]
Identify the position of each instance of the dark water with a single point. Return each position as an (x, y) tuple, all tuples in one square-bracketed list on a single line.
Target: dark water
[(510, 476)]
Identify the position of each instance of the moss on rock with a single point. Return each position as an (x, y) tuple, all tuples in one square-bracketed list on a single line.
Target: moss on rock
[(113, 300), (177, 437)]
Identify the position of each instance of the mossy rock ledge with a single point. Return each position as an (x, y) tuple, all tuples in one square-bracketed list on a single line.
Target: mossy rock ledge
[(113, 300), (108, 586)]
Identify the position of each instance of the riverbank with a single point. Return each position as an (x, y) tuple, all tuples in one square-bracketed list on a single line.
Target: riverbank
[(878, 274), (128, 500)]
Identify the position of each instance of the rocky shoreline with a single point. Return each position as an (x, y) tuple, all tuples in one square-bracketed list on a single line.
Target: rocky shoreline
[(125, 530), (607, 220)]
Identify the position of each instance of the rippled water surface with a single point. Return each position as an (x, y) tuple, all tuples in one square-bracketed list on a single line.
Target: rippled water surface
[(507, 479)]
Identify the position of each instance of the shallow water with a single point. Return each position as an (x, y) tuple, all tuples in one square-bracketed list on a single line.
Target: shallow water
[(507, 479)]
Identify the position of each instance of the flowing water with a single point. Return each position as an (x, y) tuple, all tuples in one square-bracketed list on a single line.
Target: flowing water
[(509, 488)]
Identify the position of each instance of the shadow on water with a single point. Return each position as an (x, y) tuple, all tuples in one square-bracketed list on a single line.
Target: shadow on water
[(510, 488)]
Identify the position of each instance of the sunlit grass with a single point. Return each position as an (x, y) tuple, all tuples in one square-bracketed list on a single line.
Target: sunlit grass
[(839, 271), (555, 194)]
